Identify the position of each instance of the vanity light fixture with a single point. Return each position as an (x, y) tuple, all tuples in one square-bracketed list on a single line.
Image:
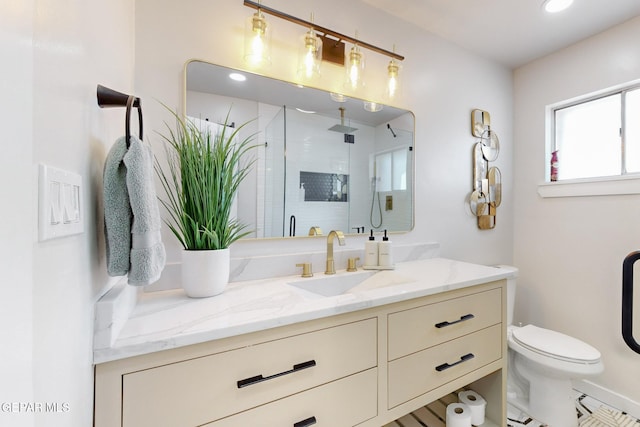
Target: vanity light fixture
[(355, 68), (257, 40), (328, 45), (310, 55), (554, 6), (393, 70)]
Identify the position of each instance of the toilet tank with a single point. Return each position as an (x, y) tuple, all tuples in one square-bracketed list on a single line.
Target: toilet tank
[(511, 290)]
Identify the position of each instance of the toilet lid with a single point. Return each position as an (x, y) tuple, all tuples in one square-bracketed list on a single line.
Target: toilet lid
[(555, 344)]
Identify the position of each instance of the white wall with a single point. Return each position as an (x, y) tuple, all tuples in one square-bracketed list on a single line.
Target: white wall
[(54, 56), (16, 264), (442, 84), (570, 250)]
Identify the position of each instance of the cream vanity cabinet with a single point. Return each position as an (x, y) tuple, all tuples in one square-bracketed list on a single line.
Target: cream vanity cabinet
[(365, 368)]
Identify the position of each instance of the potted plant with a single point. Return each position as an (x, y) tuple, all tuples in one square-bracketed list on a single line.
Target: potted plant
[(203, 177)]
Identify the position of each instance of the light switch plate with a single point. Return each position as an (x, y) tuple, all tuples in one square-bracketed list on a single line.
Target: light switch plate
[(59, 203)]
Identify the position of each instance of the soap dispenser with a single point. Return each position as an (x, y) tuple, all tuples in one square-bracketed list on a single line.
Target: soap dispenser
[(385, 255), (371, 252)]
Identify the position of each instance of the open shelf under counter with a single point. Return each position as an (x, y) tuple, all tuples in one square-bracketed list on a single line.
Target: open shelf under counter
[(433, 415)]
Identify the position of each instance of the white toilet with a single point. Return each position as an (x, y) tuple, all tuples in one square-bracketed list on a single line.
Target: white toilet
[(542, 364)]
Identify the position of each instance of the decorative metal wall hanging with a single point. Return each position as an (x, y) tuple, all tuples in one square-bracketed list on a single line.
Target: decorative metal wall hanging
[(487, 181)]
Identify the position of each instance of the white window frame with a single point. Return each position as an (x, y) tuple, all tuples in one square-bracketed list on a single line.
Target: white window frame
[(625, 183), (392, 180)]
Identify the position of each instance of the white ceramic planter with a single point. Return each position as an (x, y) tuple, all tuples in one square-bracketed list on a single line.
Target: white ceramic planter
[(205, 273)]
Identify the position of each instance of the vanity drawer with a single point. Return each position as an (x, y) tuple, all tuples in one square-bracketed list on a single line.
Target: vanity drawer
[(421, 372), (345, 402), (423, 327), (204, 389)]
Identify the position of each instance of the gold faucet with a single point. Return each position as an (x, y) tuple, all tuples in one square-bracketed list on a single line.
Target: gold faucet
[(315, 231), (331, 269), (351, 264), (307, 270)]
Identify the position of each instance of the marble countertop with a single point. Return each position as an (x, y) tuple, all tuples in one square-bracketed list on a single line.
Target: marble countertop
[(169, 319)]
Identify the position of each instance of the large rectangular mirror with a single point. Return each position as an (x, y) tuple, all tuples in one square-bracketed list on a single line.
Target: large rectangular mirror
[(324, 162)]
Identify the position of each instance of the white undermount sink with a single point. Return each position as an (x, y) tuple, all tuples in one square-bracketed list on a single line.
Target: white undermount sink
[(349, 282), (332, 285)]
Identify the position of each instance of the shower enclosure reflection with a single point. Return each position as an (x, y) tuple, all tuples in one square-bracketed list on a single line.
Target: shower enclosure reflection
[(321, 165)]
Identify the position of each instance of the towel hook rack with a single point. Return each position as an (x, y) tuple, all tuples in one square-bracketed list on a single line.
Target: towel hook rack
[(627, 301), (108, 98)]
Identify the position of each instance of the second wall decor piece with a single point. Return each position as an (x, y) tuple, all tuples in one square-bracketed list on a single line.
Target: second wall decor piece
[(487, 181)]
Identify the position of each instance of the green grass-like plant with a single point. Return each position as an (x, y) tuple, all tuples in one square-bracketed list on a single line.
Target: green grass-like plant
[(204, 173)]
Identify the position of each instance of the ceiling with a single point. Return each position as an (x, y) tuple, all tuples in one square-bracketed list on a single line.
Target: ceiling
[(511, 32)]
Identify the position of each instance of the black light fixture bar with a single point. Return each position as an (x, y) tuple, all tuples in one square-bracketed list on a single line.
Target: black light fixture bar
[(323, 30)]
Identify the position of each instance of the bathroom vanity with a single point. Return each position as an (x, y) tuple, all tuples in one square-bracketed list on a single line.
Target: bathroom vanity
[(270, 352)]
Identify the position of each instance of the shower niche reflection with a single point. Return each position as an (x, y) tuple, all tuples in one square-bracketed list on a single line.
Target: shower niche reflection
[(320, 164), (324, 187)]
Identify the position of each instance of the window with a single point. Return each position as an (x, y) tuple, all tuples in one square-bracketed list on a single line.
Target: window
[(392, 170), (599, 137)]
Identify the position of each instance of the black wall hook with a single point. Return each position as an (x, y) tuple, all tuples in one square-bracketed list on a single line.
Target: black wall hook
[(108, 98)]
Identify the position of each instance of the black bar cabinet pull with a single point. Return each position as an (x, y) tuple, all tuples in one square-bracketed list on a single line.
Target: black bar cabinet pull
[(462, 319), (627, 301), (259, 378), (306, 423), (445, 366)]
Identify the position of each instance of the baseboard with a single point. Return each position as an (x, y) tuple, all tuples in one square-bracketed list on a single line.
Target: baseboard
[(611, 398)]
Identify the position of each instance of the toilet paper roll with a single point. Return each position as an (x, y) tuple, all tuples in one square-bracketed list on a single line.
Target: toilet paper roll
[(476, 404), (458, 415)]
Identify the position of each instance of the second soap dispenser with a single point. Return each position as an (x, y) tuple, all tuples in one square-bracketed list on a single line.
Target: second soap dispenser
[(371, 252), (385, 255)]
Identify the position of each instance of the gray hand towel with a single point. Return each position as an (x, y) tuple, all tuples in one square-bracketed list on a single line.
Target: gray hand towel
[(147, 251), (117, 210)]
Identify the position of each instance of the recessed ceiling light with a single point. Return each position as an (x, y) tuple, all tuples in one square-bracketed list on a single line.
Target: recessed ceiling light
[(553, 6), (305, 111), (237, 77)]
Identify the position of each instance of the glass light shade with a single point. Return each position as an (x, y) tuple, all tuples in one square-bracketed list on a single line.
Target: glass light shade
[(310, 55), (355, 68), (257, 41), (372, 107), (393, 79), (338, 97)]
